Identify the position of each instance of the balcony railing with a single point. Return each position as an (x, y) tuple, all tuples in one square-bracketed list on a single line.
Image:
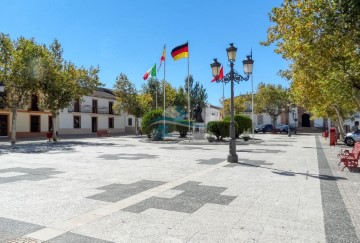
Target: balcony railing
[(90, 109)]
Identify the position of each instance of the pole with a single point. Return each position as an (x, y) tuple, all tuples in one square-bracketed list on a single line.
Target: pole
[(223, 100), (188, 87), (252, 106), (156, 91), (164, 83), (232, 157), (289, 133)]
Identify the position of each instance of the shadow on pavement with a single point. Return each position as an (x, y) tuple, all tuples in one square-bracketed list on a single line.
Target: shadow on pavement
[(44, 147)]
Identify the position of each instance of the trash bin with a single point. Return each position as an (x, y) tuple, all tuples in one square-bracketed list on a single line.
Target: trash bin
[(333, 136), (49, 135)]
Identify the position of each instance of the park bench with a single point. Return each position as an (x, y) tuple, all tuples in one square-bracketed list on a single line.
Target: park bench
[(346, 152), (102, 132), (350, 159)]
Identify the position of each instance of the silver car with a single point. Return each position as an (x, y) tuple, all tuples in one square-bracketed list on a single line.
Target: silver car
[(352, 137)]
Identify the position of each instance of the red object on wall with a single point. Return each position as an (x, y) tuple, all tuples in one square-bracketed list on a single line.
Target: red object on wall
[(333, 136)]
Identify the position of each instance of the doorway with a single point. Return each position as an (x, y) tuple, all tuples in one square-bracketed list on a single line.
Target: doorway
[(94, 124), (34, 123), (3, 125), (305, 120)]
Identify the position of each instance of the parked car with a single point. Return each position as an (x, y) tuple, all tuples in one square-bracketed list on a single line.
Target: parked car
[(258, 128), (264, 128), (286, 127), (352, 137)]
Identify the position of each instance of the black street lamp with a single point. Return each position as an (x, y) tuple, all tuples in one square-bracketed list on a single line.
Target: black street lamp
[(289, 111), (231, 77), (293, 109)]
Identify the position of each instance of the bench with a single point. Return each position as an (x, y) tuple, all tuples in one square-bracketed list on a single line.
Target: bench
[(102, 132), (350, 159)]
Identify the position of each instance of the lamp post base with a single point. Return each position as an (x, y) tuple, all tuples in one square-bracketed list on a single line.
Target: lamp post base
[(233, 158)]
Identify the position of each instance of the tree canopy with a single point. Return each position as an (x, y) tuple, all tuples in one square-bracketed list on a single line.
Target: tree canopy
[(321, 40), (270, 99)]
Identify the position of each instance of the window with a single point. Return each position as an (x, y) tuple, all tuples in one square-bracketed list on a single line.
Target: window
[(111, 122), (111, 111), (130, 121), (77, 122), (34, 123), (94, 106), (34, 103), (77, 105)]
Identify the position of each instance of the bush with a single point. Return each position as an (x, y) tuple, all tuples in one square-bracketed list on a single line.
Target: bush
[(243, 122), (221, 129), (183, 128), (148, 119), (213, 128)]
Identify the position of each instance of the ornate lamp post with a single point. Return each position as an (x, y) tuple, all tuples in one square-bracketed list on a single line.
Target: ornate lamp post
[(293, 108), (289, 111), (231, 77)]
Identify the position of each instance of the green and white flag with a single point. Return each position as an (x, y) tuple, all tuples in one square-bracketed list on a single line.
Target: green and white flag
[(150, 73)]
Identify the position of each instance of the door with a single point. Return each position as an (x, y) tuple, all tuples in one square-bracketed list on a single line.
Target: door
[(34, 123), (305, 120), (3, 125), (94, 124)]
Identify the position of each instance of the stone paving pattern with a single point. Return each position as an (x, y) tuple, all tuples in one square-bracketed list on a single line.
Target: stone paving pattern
[(121, 189)]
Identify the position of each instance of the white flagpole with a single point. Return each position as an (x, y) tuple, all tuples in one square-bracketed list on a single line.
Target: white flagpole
[(164, 83), (188, 87)]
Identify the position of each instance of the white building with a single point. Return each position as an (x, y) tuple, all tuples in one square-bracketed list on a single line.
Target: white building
[(211, 113), (93, 113)]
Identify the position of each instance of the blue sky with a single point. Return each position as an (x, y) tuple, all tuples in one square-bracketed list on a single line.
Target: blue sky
[(128, 36)]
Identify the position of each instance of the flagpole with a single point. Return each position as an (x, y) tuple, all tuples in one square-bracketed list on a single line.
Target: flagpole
[(188, 87), (156, 90), (252, 103), (164, 83)]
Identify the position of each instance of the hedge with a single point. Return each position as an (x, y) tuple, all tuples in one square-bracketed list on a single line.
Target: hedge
[(243, 122), (221, 129), (148, 119)]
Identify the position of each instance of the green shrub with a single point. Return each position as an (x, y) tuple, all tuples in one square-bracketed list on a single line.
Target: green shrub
[(183, 128), (213, 128), (148, 119), (243, 122), (221, 129)]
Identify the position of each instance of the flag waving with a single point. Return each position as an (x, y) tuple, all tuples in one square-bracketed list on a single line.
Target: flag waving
[(181, 51), (150, 73), (221, 75), (162, 58)]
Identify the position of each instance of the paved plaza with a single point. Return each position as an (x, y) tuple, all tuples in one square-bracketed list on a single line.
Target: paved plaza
[(124, 189)]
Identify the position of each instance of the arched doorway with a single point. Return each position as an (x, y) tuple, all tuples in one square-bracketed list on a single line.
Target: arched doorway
[(305, 120)]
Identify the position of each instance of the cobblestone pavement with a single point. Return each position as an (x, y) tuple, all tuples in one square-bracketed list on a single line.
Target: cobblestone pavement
[(123, 189)]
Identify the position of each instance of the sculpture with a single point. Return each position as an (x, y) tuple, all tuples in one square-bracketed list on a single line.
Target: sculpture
[(197, 113)]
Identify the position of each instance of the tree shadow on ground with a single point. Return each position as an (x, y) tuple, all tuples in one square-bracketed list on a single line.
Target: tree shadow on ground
[(258, 164), (44, 147), (127, 156)]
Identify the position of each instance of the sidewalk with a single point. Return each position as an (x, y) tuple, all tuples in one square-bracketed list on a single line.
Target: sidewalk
[(119, 189)]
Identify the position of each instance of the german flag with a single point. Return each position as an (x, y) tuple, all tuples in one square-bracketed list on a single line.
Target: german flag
[(181, 51)]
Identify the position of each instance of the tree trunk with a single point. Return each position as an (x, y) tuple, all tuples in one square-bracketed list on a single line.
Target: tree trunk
[(54, 134), (340, 123), (136, 125), (13, 126)]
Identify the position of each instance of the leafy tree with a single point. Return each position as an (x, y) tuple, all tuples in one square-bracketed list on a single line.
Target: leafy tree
[(321, 40), (270, 99), (180, 99), (152, 87), (64, 83), (239, 105), (198, 93), (21, 68), (128, 99)]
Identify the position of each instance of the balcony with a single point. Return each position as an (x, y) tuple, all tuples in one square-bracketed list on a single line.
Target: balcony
[(90, 109)]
